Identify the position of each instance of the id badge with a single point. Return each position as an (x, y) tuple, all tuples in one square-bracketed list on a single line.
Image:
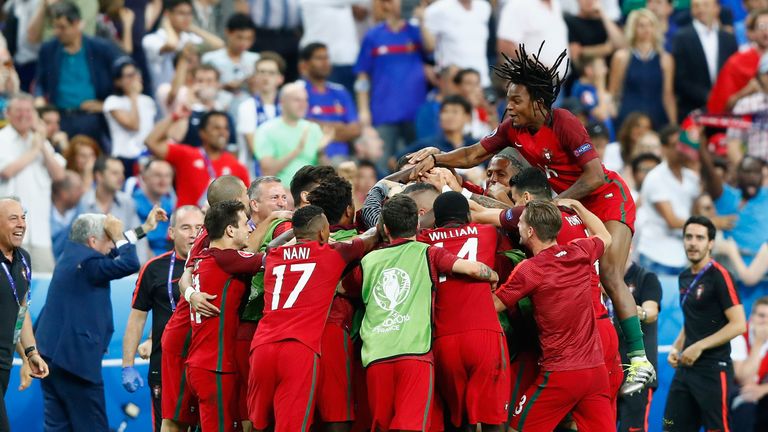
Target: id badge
[(19, 324)]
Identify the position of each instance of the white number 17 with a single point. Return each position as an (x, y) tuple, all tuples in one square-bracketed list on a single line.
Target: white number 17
[(306, 272)]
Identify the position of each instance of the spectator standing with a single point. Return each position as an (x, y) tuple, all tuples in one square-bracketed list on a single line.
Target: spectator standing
[(646, 289), (28, 166), (198, 167), (391, 85), (700, 50), (74, 342), (520, 22), (130, 114), (288, 142), (749, 353), (76, 74), (457, 32), (65, 197), (591, 32), (642, 75), (157, 290), (332, 23), (712, 316), (156, 190), (736, 77), (278, 29), (667, 194), (81, 156), (175, 32), (330, 104), (16, 327), (234, 62)]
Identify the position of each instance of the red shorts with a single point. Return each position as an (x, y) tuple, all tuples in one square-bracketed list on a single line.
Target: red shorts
[(215, 392), (611, 357), (472, 375), (178, 404), (583, 392), (523, 372), (282, 385), (614, 204), (335, 400), (400, 393)]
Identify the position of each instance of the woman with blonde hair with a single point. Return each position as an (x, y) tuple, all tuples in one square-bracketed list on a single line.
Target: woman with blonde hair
[(642, 75)]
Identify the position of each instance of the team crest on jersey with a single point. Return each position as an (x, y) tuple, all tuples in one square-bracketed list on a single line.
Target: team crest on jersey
[(390, 292), (547, 154)]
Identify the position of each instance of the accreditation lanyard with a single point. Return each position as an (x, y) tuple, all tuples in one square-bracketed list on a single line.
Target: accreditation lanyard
[(695, 281), (170, 282)]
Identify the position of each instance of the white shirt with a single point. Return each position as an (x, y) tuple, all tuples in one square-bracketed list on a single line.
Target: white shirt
[(331, 22), (228, 69), (656, 240), (710, 44), (461, 35), (127, 143), (160, 65), (32, 185), (531, 22)]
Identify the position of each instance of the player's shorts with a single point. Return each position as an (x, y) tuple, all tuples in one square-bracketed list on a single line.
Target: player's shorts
[(523, 372), (615, 203), (400, 393), (335, 394), (582, 392), (634, 410), (611, 357), (215, 392), (698, 396), (472, 376), (282, 386), (178, 403)]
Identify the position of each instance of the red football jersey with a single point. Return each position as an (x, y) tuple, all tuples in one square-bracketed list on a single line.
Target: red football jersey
[(560, 149), (299, 284), (573, 228), (213, 339), (558, 281), (463, 303)]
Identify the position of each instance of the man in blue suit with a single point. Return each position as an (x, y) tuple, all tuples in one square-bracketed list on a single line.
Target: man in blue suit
[(75, 325)]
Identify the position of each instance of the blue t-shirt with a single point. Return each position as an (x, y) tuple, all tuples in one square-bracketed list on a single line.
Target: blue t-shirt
[(158, 239), (75, 85), (394, 64), (750, 230), (332, 105)]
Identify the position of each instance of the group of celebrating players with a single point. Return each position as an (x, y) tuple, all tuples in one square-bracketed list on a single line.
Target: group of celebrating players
[(425, 308)]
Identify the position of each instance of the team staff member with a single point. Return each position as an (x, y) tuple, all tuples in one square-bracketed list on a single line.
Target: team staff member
[(157, 290), (573, 377), (396, 283), (713, 315), (15, 323), (645, 287)]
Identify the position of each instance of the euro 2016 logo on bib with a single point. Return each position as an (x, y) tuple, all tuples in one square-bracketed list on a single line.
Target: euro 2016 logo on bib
[(390, 292)]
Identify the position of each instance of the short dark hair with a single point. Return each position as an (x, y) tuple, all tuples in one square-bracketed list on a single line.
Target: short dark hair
[(65, 9), (209, 115), (459, 77), (303, 219), (644, 157), (333, 196), (456, 100), (703, 221), (240, 21), (401, 216), (307, 176), (275, 57), (221, 215), (545, 218), (170, 5), (668, 132), (308, 51), (533, 181)]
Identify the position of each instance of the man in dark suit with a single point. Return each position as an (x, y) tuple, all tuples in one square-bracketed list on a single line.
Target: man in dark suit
[(74, 74), (75, 325), (700, 50)]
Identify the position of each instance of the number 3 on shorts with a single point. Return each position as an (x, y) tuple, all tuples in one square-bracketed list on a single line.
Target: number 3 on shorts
[(519, 407)]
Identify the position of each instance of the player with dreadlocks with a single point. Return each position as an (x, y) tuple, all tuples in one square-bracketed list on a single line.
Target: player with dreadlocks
[(554, 140)]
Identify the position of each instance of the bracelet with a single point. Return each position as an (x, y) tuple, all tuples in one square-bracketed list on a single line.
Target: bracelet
[(188, 293), (29, 350)]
